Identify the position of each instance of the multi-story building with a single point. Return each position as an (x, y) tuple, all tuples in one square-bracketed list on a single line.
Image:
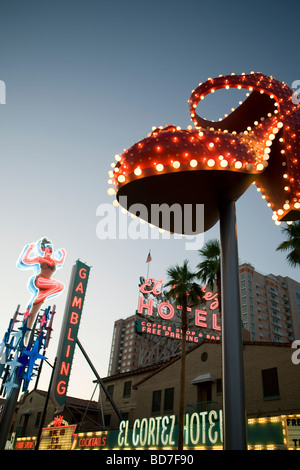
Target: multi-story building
[(124, 347), (270, 305), (130, 350), (270, 311)]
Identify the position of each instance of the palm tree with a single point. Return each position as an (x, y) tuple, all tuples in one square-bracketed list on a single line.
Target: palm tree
[(292, 243), (186, 292), (209, 270)]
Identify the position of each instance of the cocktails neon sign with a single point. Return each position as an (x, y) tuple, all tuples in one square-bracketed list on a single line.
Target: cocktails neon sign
[(166, 311)]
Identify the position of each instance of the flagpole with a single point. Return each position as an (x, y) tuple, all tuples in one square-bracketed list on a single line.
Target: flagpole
[(149, 259)]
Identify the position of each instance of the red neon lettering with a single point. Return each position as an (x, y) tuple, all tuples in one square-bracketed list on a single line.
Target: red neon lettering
[(165, 316), (61, 387), (58, 420), (79, 288), (156, 285), (214, 322), (152, 286), (147, 283), (29, 445), (82, 273), (188, 309), (76, 302), (92, 442), (69, 335), (200, 318), (210, 296), (68, 351), (154, 289), (142, 305), (214, 304), (74, 318), (65, 368)]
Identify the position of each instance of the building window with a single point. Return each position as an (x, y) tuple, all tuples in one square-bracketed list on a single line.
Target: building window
[(38, 418), (107, 419), (169, 399), (110, 390), (127, 389), (156, 401), (270, 383), (219, 386), (204, 356)]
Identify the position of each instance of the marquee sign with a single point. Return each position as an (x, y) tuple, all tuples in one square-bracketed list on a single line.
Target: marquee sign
[(69, 333), (292, 431), (58, 438)]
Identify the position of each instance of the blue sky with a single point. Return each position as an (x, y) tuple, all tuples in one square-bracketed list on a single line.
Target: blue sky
[(87, 79)]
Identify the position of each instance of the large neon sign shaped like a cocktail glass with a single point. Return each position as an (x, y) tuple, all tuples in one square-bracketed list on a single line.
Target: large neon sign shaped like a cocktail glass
[(39, 257)]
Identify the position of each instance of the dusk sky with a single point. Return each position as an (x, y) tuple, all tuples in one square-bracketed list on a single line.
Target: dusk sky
[(86, 79)]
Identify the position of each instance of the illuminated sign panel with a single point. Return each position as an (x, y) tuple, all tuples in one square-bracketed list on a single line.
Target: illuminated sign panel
[(57, 438), (292, 431), (166, 311), (203, 428), (25, 443), (69, 333), (90, 440)]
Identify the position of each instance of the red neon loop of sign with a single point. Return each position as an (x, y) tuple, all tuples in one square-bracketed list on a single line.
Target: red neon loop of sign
[(166, 316)]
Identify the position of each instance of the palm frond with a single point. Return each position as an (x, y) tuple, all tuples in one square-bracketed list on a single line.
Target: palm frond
[(291, 244)]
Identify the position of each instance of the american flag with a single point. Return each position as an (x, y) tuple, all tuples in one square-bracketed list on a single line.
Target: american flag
[(148, 258)]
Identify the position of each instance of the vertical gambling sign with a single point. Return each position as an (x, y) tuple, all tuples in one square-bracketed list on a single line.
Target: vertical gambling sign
[(69, 333)]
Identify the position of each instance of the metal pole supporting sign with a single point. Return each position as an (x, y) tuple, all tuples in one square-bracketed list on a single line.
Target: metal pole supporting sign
[(235, 437)]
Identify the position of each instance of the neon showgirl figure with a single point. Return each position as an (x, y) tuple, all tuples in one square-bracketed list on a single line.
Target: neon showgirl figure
[(39, 257)]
